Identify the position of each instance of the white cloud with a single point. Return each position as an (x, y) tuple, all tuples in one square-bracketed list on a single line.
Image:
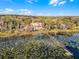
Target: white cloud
[(58, 2), (32, 1), (54, 2), (6, 10), (24, 12), (62, 2), (15, 11), (71, 0)]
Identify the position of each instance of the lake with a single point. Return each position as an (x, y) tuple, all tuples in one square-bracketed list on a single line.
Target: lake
[(71, 42)]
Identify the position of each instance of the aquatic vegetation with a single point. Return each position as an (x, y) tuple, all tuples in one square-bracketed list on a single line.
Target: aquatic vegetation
[(34, 49)]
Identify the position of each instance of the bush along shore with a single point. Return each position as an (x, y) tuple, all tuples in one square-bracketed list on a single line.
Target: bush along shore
[(31, 48)]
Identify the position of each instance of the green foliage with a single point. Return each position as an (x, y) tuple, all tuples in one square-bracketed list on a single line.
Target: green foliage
[(33, 49), (13, 22)]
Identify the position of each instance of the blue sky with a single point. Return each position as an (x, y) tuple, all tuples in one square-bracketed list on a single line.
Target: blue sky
[(40, 7)]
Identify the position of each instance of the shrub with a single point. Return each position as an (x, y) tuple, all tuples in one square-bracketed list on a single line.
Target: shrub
[(34, 49)]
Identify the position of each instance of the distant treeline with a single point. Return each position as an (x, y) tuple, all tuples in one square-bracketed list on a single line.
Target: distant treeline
[(17, 22)]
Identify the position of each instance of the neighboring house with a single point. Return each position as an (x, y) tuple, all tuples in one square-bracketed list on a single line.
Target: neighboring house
[(33, 27), (63, 26), (37, 26), (28, 28)]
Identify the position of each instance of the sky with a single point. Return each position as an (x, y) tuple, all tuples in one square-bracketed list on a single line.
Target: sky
[(40, 7)]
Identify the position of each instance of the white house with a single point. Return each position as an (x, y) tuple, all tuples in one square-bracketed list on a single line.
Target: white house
[(28, 28), (33, 27), (63, 26), (37, 25)]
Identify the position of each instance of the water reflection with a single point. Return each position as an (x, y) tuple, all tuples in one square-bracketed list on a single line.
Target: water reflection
[(75, 51), (71, 42)]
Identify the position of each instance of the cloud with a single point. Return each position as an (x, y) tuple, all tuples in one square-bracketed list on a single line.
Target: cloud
[(54, 2), (15, 11), (71, 0), (24, 12), (59, 2), (62, 2), (32, 1), (6, 10)]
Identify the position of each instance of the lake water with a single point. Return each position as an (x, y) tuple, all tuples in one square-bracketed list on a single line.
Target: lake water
[(71, 42)]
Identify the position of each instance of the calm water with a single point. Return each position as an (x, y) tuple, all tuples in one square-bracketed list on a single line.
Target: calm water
[(72, 41), (75, 51)]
